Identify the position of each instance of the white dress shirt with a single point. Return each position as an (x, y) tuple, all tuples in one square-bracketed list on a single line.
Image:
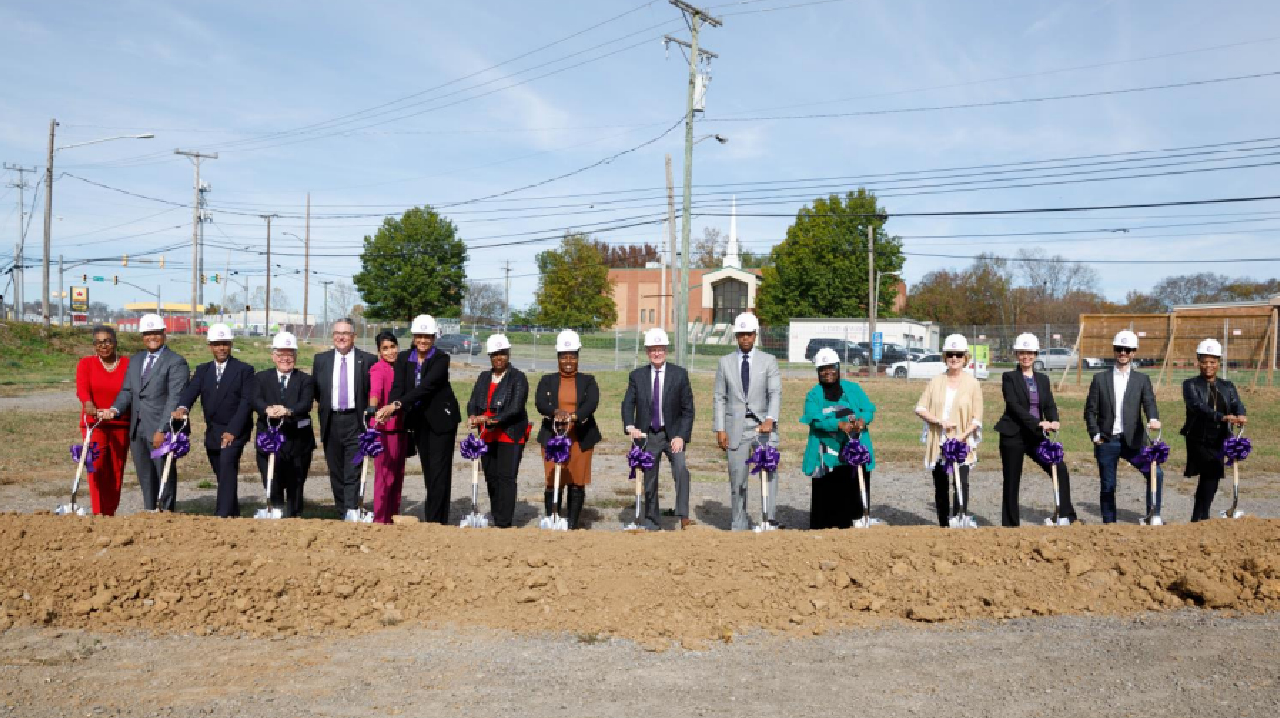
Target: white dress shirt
[(662, 387), (1120, 383), (337, 378)]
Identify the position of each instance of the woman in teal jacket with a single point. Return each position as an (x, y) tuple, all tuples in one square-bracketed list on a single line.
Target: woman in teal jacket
[(832, 410)]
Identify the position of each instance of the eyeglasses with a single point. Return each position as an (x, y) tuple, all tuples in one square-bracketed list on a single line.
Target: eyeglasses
[(1124, 350), (344, 334), (955, 355), (103, 342)]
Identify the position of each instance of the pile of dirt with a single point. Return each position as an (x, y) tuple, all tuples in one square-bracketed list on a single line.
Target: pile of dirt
[(203, 575)]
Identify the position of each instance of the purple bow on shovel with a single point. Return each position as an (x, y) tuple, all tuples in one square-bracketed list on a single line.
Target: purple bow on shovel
[(370, 445), (556, 449), (855, 454), (1236, 448), (270, 441), (1050, 453), (640, 459), (1157, 452), (765, 458), (177, 444), (954, 452), (89, 461), (472, 447)]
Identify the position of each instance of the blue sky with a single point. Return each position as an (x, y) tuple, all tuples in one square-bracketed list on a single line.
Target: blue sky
[(227, 76)]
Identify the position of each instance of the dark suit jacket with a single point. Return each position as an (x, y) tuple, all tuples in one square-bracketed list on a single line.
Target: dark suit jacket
[(431, 406), (1017, 416), (322, 376), (226, 403), (508, 402), (677, 401), (1100, 407), (547, 401), (151, 405), (1204, 422), (298, 397)]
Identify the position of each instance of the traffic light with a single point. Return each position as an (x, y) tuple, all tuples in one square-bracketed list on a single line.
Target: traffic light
[(203, 279), (215, 279), (124, 260), (84, 279), (115, 279)]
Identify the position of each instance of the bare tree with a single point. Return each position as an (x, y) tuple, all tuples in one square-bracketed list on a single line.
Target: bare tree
[(483, 302), (1051, 281), (342, 297), (708, 252)]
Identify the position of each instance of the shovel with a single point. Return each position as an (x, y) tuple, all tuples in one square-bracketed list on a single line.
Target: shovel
[(268, 512), (961, 520), (168, 468), (636, 525), (1231, 513), (1152, 518), (764, 524), (475, 519), (866, 521), (72, 509), (553, 521), (358, 515), (1057, 519)]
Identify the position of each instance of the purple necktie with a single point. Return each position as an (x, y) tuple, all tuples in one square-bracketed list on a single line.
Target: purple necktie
[(342, 385), (146, 368), (655, 418)]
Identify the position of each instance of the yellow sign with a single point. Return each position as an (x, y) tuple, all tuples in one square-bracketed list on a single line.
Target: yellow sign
[(79, 299)]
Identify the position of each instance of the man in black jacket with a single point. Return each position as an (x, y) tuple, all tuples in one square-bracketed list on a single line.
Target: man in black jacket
[(224, 387), (341, 377), (1213, 407), (1118, 398), (658, 409), (497, 411), (284, 395)]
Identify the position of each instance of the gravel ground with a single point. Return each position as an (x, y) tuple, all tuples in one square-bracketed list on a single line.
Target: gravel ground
[(1179, 664)]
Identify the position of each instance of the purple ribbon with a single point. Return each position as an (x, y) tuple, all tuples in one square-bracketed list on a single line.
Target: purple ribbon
[(854, 453), (370, 445), (765, 458), (473, 448), (1236, 448), (1157, 452), (177, 444), (1050, 453), (270, 441), (640, 459), (954, 451), (556, 450), (94, 455)]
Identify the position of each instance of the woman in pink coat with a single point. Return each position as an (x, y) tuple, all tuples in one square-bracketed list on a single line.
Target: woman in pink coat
[(389, 465)]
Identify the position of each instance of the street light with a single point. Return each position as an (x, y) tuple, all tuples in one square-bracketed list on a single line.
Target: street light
[(48, 202), (718, 138)]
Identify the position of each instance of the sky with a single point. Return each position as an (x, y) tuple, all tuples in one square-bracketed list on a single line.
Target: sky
[(502, 115)]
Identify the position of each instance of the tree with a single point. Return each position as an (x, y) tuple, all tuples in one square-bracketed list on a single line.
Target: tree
[(413, 265), (754, 260), (1209, 287), (484, 302), (1050, 282), (1136, 302), (573, 286), (342, 298), (708, 252), (525, 317), (627, 256), (820, 269)]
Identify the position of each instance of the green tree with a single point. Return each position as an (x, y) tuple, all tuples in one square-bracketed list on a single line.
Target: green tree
[(413, 265), (820, 269), (573, 286)]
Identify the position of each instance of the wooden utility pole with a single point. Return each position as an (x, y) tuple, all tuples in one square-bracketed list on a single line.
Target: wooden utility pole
[(48, 225), (671, 232), (266, 322), (18, 278), (871, 297), (196, 219), (306, 269)]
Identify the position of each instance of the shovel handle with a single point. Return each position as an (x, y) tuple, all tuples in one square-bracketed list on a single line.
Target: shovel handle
[(475, 472), (271, 475)]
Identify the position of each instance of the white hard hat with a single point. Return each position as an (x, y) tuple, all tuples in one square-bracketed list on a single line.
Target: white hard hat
[(220, 333), (151, 323), (1210, 347), (568, 341), (496, 343), (656, 338), (424, 324), (1126, 339), (826, 357), (284, 340), (955, 343), (1026, 343), (746, 322)]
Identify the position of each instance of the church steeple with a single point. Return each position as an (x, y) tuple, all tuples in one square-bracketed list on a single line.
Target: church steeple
[(731, 258)]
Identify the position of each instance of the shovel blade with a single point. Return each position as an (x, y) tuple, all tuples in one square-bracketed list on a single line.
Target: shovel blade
[(761, 528), (269, 514), (70, 510), (474, 521), (554, 523), (1237, 514), (1153, 521), (358, 516), (963, 521)]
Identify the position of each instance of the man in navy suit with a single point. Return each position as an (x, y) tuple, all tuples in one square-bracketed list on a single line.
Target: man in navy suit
[(224, 387), (664, 425), (284, 394)]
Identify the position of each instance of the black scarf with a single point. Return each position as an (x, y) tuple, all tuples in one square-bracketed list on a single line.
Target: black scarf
[(832, 391)]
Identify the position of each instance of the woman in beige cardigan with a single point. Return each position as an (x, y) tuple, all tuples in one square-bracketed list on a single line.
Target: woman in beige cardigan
[(951, 407)]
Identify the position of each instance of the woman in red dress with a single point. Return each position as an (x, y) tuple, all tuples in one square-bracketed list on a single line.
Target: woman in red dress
[(98, 380)]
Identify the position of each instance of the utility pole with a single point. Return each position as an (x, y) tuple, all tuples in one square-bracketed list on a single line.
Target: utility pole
[(266, 322), (18, 278), (506, 302), (871, 295), (695, 17), (306, 269), (196, 218), (62, 296), (326, 302), (671, 232), (48, 225)]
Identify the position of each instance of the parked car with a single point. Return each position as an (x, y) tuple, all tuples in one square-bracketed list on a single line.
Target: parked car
[(889, 353), (916, 354), (1060, 358), (457, 344), (931, 365), (849, 352)]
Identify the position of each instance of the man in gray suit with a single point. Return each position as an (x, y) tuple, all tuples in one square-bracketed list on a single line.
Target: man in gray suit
[(748, 399), (151, 388), (665, 425), (1113, 415)]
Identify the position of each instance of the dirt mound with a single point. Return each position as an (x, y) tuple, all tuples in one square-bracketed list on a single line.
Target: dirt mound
[(191, 574)]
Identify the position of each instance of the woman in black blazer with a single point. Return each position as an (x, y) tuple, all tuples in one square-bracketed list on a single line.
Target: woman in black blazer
[(1213, 407), (567, 401), (431, 414), (497, 410), (1029, 411)]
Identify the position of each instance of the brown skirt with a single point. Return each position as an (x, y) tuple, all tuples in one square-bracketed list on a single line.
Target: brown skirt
[(577, 472)]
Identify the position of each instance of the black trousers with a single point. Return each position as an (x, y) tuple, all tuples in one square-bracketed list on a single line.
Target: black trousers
[(1211, 471), (226, 466), (501, 465), (1012, 451), (942, 482), (288, 480), (150, 471), (340, 453), (435, 451), (837, 500)]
